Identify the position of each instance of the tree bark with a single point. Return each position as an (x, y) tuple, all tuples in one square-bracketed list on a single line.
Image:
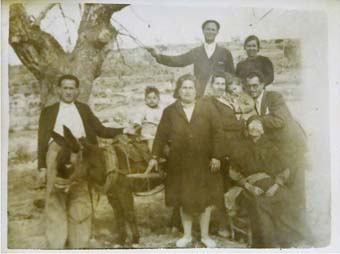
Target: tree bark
[(42, 54)]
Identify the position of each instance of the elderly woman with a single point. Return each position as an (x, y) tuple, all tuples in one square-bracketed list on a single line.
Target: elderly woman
[(267, 183), (192, 131), (254, 61)]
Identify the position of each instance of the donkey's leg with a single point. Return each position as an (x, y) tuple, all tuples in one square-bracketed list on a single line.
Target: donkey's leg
[(124, 191), (126, 198), (118, 212)]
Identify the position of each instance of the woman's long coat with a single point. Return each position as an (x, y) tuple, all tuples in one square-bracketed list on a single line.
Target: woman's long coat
[(232, 128), (190, 182)]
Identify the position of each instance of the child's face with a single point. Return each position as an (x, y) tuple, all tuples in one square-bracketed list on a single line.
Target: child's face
[(152, 100), (234, 88)]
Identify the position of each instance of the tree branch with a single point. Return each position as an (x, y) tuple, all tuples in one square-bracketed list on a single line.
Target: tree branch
[(36, 49), (41, 53), (43, 14)]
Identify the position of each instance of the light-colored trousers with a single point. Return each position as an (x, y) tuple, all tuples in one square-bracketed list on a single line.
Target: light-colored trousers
[(68, 215)]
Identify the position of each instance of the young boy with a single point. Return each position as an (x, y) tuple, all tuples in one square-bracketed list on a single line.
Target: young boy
[(150, 115), (243, 104)]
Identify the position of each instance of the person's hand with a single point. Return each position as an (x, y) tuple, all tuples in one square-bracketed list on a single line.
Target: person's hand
[(41, 178), (272, 190), (130, 130), (253, 189), (215, 165), (152, 51), (153, 163), (62, 184)]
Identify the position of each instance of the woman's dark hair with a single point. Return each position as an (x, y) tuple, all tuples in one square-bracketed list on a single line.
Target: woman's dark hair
[(211, 21), (254, 74), (219, 75), (180, 81), (151, 89), (251, 38), (69, 77), (229, 78)]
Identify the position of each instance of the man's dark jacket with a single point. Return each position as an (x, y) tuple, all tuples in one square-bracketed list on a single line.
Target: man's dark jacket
[(281, 127), (204, 67), (93, 128)]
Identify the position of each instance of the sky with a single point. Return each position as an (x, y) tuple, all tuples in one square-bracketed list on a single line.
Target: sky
[(179, 24)]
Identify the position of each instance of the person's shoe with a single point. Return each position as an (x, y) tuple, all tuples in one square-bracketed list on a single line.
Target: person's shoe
[(183, 242), (208, 242), (224, 233)]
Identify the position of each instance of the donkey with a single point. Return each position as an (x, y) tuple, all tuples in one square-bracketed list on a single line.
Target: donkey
[(100, 166), (108, 167)]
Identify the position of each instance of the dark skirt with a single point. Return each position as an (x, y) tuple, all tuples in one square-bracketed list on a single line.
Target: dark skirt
[(278, 221), (194, 189)]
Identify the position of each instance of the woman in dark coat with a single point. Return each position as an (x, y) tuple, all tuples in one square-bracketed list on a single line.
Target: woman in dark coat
[(232, 120), (232, 128), (232, 125), (271, 186), (192, 131), (255, 62)]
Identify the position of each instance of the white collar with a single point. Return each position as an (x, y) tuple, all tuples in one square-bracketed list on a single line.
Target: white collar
[(67, 105), (209, 48), (191, 105), (259, 99), (210, 45)]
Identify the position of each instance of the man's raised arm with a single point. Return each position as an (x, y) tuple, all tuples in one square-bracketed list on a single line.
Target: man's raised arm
[(173, 61)]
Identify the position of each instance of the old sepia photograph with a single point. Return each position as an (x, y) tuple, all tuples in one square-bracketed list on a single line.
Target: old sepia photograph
[(174, 125)]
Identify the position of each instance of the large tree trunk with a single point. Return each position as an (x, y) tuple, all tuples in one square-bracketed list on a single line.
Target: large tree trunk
[(41, 53)]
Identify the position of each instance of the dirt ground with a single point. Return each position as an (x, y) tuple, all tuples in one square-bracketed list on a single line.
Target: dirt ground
[(26, 221)]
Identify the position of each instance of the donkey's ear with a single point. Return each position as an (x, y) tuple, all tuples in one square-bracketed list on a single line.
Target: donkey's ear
[(71, 141), (60, 140)]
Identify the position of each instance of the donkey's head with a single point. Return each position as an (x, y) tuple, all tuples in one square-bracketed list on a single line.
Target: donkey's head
[(94, 162), (68, 155)]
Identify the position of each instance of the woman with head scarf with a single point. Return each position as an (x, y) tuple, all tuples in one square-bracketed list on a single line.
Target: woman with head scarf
[(268, 185)]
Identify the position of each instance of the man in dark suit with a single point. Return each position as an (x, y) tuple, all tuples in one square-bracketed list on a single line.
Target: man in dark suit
[(275, 116), (207, 59), (68, 215)]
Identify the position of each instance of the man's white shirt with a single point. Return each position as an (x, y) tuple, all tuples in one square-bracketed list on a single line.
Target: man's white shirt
[(69, 116), (210, 48), (258, 103)]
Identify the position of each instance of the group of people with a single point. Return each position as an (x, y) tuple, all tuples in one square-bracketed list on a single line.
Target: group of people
[(230, 138), (225, 133)]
